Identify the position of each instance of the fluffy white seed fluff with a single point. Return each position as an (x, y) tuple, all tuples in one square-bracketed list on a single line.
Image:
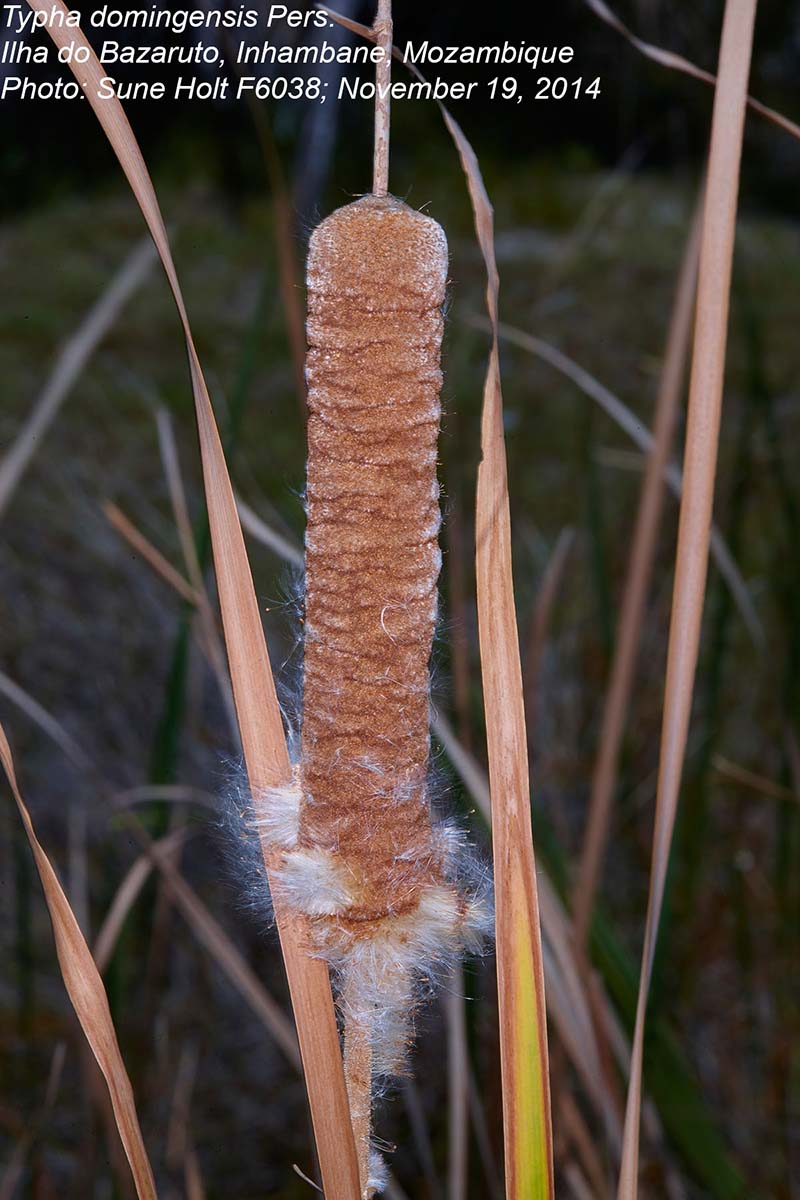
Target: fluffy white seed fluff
[(276, 813), (314, 882)]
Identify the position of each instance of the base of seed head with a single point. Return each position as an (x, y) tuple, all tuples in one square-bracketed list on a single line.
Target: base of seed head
[(383, 965)]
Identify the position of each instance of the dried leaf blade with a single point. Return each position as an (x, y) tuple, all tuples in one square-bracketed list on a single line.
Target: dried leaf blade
[(87, 994)]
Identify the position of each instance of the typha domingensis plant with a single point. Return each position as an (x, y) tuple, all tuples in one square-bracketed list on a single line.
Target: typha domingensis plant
[(361, 856), (351, 845)]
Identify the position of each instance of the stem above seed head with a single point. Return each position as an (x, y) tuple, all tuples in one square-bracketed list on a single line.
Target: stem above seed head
[(383, 78)]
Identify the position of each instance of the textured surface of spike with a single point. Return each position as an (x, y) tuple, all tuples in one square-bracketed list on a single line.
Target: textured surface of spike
[(377, 272)]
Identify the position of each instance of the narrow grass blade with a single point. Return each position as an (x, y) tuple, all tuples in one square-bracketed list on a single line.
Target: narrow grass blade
[(676, 62), (263, 741), (581, 1138), (753, 781), (46, 722), (86, 991), (458, 614), (70, 364), (180, 1149), (178, 1126), (180, 510), (540, 617), (630, 424), (177, 495), (421, 1137), (15, 1166), (145, 548), (637, 585), (216, 941), (171, 793), (702, 435), (579, 1188), (253, 524), (193, 1180), (125, 898), (483, 1142), (457, 1087), (289, 278)]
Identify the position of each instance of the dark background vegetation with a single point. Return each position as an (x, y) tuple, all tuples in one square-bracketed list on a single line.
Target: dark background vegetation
[(593, 201)]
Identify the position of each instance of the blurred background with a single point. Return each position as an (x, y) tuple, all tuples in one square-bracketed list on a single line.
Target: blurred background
[(111, 707)]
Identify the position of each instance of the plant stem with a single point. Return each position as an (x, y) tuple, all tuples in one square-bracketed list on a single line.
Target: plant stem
[(383, 78), (358, 1078)]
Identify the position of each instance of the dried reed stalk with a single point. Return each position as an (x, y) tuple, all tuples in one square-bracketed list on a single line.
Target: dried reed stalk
[(700, 458)]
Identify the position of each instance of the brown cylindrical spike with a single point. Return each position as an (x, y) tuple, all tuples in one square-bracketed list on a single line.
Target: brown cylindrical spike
[(376, 283)]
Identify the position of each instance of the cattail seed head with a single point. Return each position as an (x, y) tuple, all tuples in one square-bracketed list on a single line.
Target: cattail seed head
[(377, 272)]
